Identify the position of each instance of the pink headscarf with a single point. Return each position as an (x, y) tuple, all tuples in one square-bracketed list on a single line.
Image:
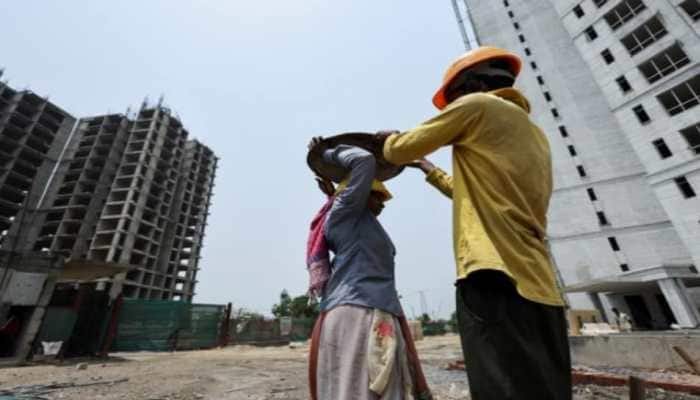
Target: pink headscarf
[(317, 257)]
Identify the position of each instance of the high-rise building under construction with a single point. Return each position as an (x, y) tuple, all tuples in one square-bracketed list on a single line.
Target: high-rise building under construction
[(33, 136), (615, 84), (131, 190)]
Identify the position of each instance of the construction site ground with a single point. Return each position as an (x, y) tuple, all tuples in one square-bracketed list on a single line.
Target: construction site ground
[(243, 372)]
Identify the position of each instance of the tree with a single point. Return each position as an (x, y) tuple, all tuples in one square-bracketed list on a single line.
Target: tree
[(424, 318), (283, 308), (301, 307), (297, 307)]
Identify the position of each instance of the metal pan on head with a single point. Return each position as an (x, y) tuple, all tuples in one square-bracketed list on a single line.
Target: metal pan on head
[(367, 141)]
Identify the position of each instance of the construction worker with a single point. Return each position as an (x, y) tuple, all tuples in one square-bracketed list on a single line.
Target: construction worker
[(510, 310), (622, 320)]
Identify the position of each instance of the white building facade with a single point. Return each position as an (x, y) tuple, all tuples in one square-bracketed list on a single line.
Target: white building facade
[(615, 84)]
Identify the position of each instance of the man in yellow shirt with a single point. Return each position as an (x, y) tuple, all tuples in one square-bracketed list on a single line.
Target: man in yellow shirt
[(511, 313)]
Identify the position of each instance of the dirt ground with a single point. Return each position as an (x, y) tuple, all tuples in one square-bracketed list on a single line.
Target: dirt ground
[(237, 372)]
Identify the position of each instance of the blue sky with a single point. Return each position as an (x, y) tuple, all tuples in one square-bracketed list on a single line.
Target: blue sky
[(254, 80)]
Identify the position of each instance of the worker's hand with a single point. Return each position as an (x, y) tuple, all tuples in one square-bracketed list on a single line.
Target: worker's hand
[(422, 164), (326, 186), (382, 135), (380, 138), (315, 141)]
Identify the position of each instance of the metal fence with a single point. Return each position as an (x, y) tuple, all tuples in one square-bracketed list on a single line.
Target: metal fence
[(269, 332)]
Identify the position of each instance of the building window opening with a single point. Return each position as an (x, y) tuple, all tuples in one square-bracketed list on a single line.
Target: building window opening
[(608, 56), (591, 33), (665, 63), (563, 131), (602, 219), (624, 12), (591, 194), (623, 84), (691, 135), (692, 8), (641, 114), (644, 36), (681, 97), (581, 171), (685, 187), (662, 148)]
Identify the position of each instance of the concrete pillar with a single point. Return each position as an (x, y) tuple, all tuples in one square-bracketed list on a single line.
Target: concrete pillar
[(595, 300), (31, 330), (608, 301), (117, 285), (677, 297)]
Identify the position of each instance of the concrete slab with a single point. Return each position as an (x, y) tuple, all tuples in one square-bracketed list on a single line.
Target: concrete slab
[(635, 350)]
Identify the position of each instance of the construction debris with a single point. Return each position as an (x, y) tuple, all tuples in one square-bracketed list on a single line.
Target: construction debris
[(39, 392), (688, 360), (592, 377)]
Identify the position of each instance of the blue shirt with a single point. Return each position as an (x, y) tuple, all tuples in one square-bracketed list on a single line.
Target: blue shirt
[(362, 269)]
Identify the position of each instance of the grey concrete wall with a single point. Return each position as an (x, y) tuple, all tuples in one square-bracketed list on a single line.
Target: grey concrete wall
[(633, 350)]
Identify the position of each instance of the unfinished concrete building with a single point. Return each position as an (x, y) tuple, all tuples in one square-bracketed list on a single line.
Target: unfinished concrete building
[(182, 248), (33, 135), (81, 187), (614, 84), (134, 192), (109, 188)]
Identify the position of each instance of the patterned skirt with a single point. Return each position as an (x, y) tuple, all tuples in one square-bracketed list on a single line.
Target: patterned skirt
[(343, 364)]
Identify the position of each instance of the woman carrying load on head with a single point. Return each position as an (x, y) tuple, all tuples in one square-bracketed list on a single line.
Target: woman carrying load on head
[(361, 347)]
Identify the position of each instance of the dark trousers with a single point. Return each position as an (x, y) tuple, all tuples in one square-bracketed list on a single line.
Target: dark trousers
[(513, 348)]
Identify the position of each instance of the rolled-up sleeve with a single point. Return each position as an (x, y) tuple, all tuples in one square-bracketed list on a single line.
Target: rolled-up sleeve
[(443, 129), (441, 180)]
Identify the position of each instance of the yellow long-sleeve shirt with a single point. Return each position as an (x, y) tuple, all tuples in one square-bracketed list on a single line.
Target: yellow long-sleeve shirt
[(501, 187)]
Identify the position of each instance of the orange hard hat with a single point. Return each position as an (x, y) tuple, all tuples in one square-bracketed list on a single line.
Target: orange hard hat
[(470, 59)]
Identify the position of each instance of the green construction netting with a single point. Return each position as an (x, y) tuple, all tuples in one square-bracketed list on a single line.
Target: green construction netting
[(159, 325), (301, 329), (434, 328), (58, 324), (203, 329)]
